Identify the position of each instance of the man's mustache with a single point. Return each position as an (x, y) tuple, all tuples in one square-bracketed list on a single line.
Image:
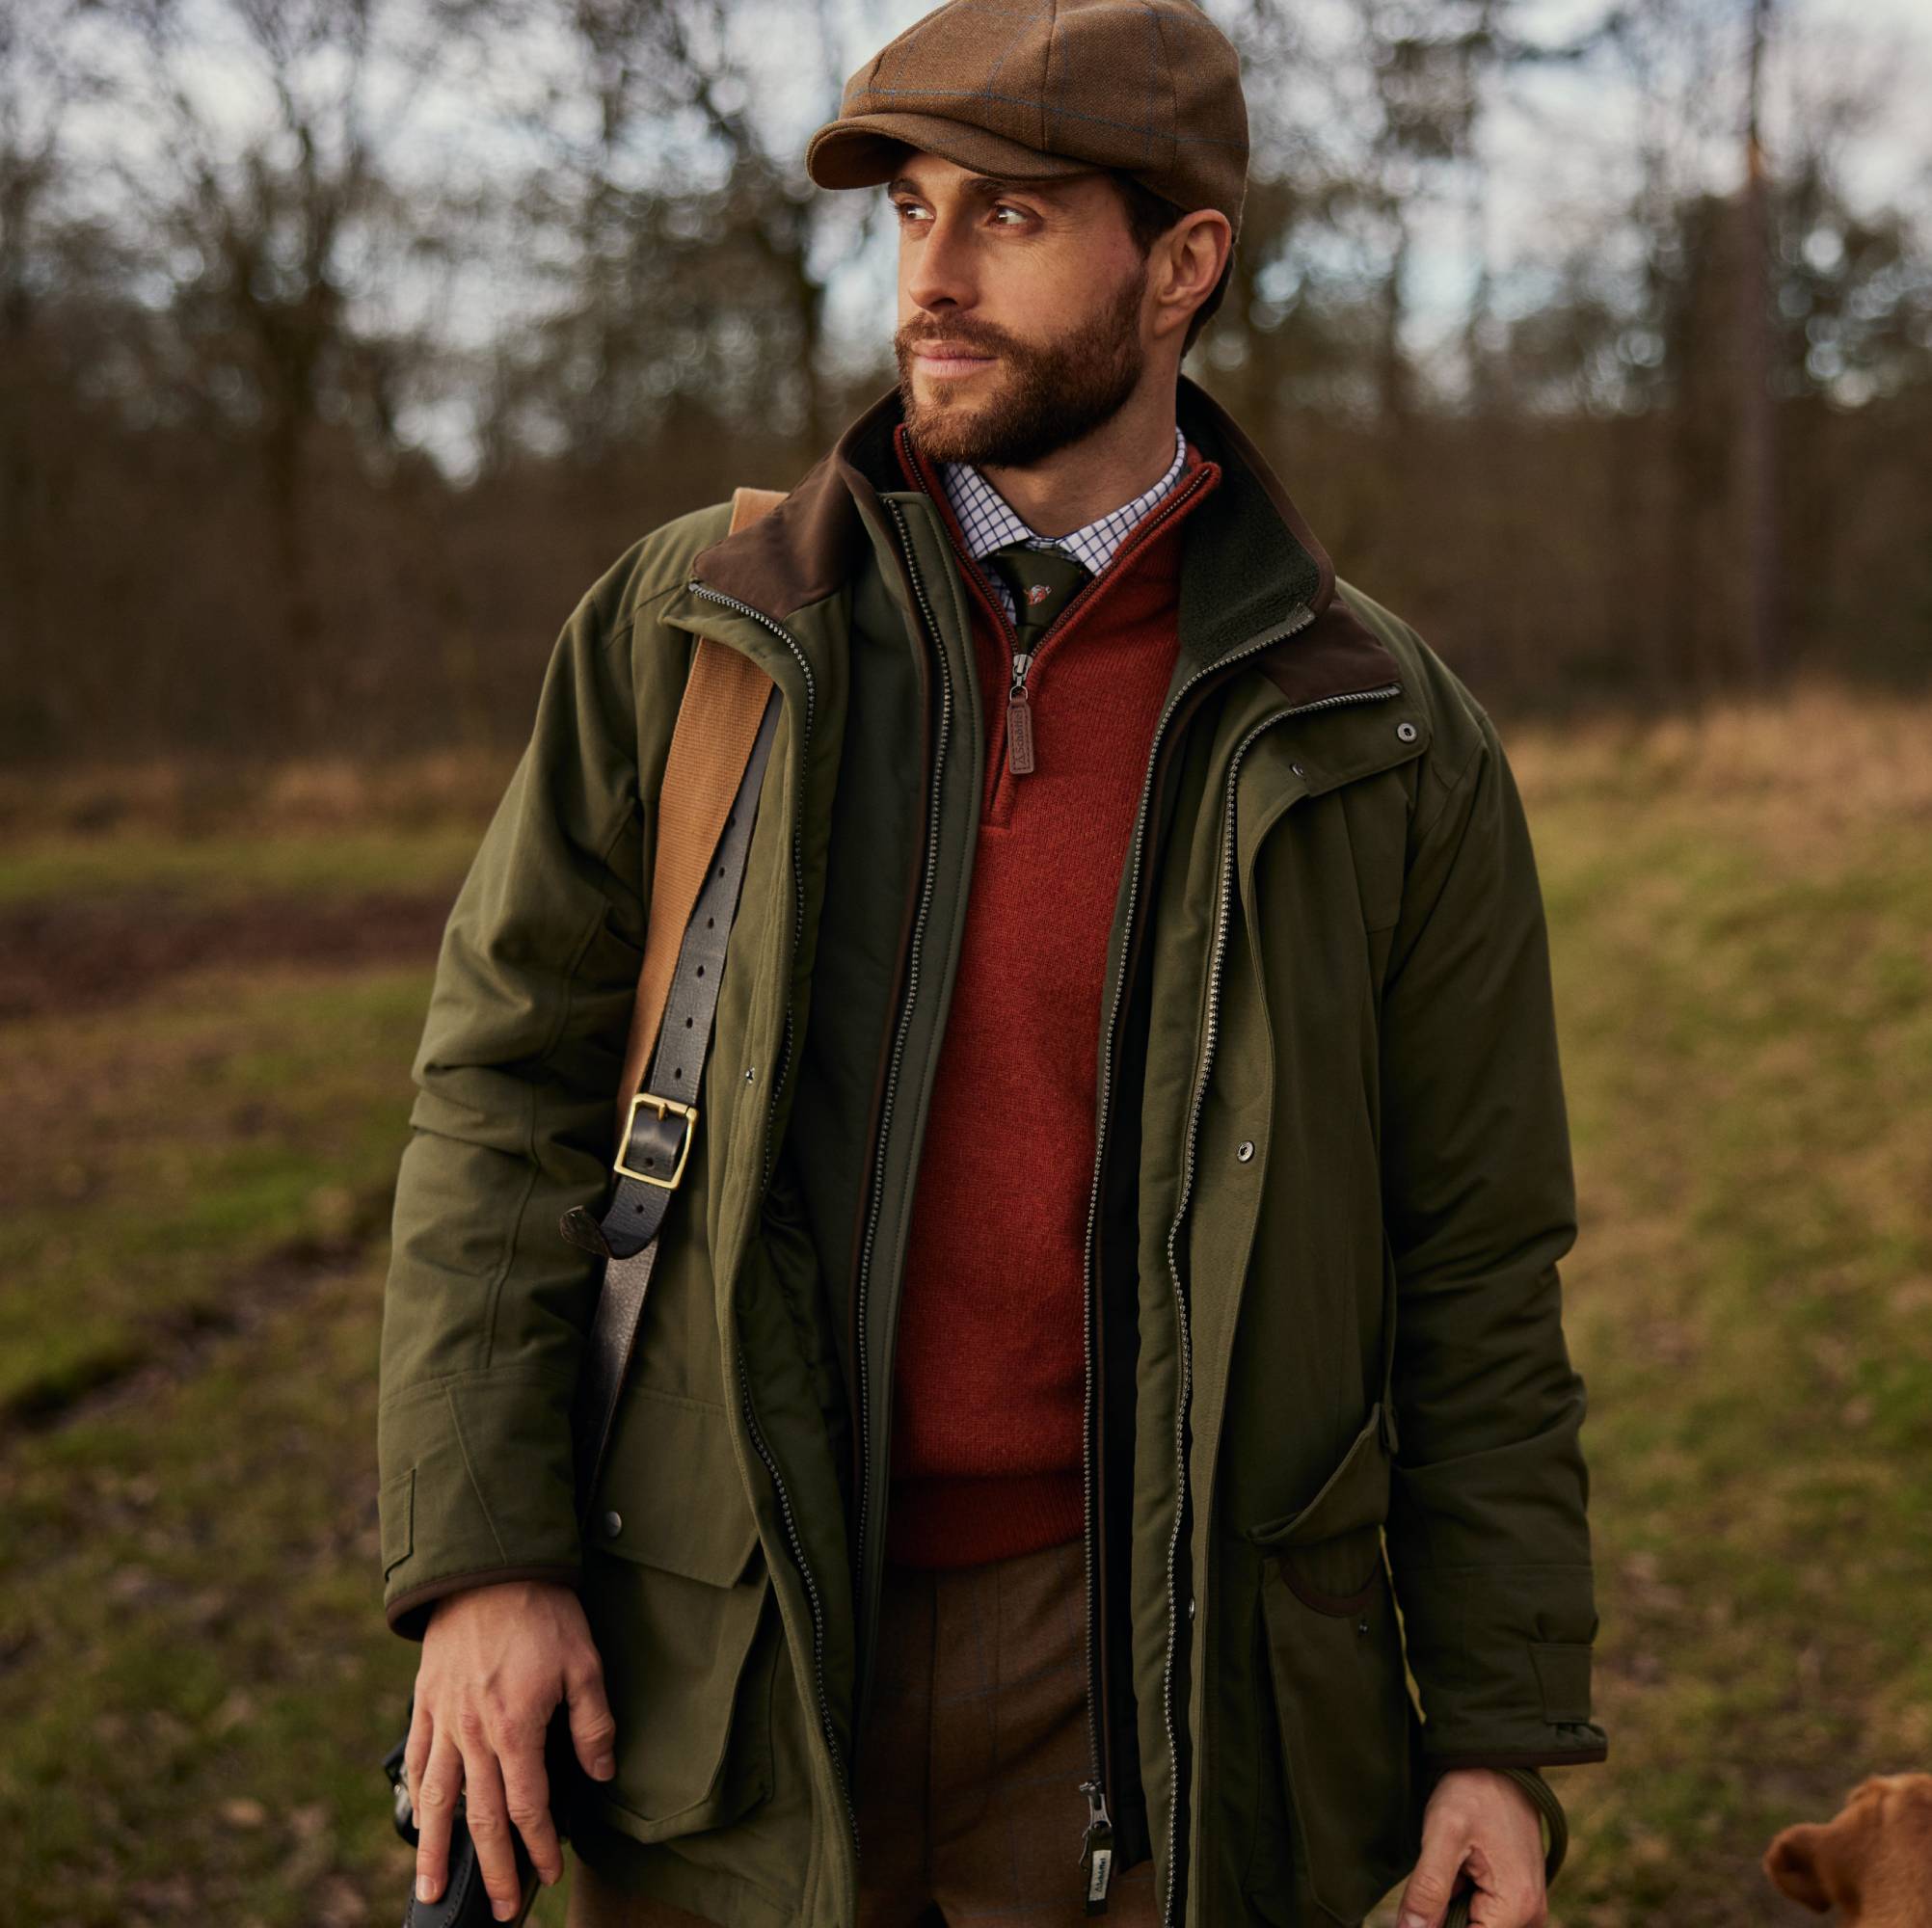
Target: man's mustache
[(955, 337)]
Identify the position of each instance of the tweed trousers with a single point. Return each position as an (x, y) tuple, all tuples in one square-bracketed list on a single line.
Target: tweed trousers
[(976, 1743)]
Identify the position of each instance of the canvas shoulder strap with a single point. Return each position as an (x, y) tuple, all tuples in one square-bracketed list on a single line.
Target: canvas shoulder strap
[(706, 806)]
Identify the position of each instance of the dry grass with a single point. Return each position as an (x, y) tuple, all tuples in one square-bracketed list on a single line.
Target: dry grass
[(191, 796), (1740, 910), (1817, 761)]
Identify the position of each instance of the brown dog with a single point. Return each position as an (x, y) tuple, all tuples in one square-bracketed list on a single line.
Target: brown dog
[(1873, 1863)]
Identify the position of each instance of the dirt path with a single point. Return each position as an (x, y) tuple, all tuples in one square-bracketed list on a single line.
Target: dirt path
[(85, 953)]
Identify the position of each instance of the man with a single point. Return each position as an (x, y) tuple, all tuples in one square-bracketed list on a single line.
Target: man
[(1133, 1168)]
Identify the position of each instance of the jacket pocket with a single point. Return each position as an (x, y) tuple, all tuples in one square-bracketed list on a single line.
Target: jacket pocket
[(1346, 1728), (676, 1591)]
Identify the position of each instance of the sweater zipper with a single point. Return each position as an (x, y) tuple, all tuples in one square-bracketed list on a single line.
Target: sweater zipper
[(1181, 1318), (915, 949), (1019, 704), (752, 1427)]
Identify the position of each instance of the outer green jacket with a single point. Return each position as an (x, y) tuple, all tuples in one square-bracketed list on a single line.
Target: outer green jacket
[(1331, 1190)]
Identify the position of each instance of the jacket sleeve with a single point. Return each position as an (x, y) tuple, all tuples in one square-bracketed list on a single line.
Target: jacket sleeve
[(1487, 1533), (486, 1307)]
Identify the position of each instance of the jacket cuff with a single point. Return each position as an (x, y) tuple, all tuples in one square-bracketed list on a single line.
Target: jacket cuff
[(1502, 1658), (1590, 1744), (409, 1613), (476, 1485)]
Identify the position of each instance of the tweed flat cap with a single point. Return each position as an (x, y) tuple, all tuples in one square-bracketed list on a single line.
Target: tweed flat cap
[(1033, 89)]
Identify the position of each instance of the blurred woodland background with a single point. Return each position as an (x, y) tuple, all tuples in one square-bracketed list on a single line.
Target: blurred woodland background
[(344, 343)]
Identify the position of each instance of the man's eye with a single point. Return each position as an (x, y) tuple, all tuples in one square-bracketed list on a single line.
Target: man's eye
[(906, 208), (1004, 208)]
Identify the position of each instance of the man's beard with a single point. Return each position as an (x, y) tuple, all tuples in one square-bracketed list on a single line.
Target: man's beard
[(1054, 395)]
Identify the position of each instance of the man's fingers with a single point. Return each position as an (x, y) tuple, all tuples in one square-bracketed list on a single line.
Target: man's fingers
[(489, 1820), (415, 1755), (527, 1798), (435, 1804), (592, 1729), (1425, 1900), (1507, 1909)]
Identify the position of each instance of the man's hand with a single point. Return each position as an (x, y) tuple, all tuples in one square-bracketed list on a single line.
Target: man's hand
[(1481, 1819), (495, 1661)]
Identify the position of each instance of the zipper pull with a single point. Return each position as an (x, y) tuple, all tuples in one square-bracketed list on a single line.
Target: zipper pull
[(1019, 719), (1096, 1849)]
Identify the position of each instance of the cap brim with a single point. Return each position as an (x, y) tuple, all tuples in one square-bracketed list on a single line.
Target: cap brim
[(865, 149)]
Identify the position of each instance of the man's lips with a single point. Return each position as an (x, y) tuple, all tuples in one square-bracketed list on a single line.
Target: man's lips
[(944, 358)]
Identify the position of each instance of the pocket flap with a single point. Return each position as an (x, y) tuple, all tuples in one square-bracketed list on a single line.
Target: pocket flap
[(669, 1493), (1355, 1495)]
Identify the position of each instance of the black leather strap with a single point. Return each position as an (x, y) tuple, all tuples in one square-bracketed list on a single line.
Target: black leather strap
[(663, 1124)]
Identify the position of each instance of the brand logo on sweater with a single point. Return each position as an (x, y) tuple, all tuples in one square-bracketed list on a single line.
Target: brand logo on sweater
[(1038, 593)]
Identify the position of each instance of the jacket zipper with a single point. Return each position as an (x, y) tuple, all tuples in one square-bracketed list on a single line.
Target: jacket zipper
[(1096, 1857), (757, 1433), (804, 1567), (1181, 1319), (1097, 1846), (914, 953)]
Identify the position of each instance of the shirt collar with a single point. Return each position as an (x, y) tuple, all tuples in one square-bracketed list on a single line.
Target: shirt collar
[(987, 520)]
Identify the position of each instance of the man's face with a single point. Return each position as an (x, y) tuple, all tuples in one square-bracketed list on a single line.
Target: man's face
[(1020, 311)]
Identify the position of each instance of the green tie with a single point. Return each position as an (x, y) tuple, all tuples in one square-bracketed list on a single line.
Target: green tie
[(1042, 580)]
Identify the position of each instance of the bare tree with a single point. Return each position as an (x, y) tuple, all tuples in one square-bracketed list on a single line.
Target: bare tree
[(44, 249), (680, 243), (1757, 453), (265, 233)]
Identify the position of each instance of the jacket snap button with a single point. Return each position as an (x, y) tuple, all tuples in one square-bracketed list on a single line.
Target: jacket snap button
[(1191, 1610), (1407, 732), (1245, 1150), (613, 1525), (1361, 1626), (1297, 769)]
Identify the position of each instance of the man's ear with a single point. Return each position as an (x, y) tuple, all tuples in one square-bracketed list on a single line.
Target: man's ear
[(1792, 1861)]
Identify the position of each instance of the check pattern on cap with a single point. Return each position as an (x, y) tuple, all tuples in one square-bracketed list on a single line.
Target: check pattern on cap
[(1151, 87)]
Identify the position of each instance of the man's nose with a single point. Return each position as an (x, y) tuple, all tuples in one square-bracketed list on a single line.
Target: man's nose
[(941, 271)]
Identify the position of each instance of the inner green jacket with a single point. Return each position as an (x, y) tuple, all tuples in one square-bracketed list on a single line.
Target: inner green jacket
[(1327, 1367)]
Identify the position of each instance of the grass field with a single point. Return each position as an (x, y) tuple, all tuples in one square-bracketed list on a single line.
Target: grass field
[(205, 1029)]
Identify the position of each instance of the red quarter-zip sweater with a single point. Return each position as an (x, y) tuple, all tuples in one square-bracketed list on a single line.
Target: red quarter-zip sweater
[(989, 1364)]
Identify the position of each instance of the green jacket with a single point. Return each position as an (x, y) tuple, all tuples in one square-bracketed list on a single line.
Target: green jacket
[(1326, 1364)]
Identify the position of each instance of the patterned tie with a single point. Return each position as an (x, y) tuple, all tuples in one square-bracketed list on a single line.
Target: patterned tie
[(1042, 581)]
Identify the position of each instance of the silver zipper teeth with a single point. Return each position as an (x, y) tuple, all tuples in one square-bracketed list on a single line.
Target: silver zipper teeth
[(752, 1426), (1098, 1800), (899, 1044), (1300, 622), (1173, 1260), (779, 630), (1215, 958), (811, 1594)]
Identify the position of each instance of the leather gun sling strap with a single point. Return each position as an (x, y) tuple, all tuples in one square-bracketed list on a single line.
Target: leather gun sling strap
[(707, 803)]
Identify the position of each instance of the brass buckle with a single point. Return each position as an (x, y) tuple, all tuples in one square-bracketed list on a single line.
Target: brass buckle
[(664, 1108)]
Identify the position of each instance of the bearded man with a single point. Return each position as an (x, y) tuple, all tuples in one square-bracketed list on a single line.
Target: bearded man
[(1118, 1267)]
